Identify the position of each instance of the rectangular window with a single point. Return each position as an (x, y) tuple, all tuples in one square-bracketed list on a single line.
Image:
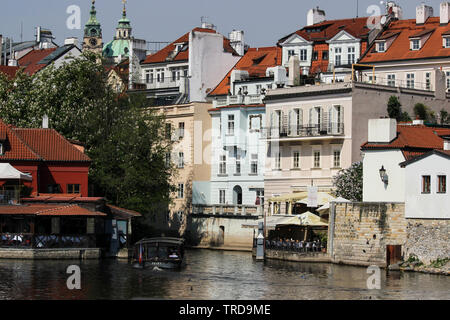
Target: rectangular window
[(73, 188), (296, 163), (303, 55), (391, 80), (316, 159), (315, 55), (168, 160), (448, 79), (181, 130), (415, 44), (426, 184), (147, 76), (221, 196), (174, 75), (168, 131), (373, 79), (447, 43), (231, 125), (381, 47), (180, 160), (254, 164), (278, 160), (180, 191), (324, 55), (428, 81), (258, 89), (442, 184), (238, 164), (410, 80), (223, 165), (337, 56), (351, 55), (291, 53), (337, 159)]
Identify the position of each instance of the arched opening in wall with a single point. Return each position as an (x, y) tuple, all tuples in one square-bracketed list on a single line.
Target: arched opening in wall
[(221, 235), (237, 195)]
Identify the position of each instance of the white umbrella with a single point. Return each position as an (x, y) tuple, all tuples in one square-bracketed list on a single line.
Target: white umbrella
[(8, 172), (326, 207)]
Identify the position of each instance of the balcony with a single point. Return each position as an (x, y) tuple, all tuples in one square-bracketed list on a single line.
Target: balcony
[(238, 100), (166, 83), (294, 132), (227, 210)]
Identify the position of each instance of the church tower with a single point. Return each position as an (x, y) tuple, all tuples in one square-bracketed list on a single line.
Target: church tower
[(93, 40)]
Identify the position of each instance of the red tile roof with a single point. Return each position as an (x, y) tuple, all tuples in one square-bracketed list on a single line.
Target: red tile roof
[(48, 210), (255, 61), (38, 144), (163, 55), (327, 29), (124, 213), (413, 140), (30, 61), (10, 72), (400, 47)]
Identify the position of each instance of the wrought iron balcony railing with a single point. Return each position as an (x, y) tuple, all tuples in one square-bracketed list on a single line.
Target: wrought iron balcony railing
[(317, 130)]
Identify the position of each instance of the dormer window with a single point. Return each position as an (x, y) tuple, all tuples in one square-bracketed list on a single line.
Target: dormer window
[(1, 148), (381, 47), (447, 42), (415, 44)]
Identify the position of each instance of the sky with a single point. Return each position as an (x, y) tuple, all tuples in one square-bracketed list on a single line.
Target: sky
[(263, 21)]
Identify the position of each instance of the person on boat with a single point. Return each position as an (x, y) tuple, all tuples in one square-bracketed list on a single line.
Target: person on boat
[(173, 255)]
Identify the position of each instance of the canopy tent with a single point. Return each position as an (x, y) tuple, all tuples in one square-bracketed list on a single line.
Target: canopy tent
[(326, 207), (306, 219), (8, 172), (289, 197), (322, 198)]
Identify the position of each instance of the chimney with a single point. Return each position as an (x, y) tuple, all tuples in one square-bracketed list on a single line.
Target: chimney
[(382, 130), (315, 16), (71, 41), (45, 122), (394, 9), (237, 41), (294, 71), (423, 12), (12, 63), (440, 83), (445, 12)]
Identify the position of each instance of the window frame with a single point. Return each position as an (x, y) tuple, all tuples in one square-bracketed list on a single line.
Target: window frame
[(441, 188), (426, 184)]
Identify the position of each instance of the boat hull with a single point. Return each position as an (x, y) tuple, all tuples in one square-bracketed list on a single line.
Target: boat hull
[(159, 264)]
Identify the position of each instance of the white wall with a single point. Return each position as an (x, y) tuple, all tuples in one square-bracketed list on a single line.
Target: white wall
[(68, 57), (375, 190), (425, 206), (208, 63)]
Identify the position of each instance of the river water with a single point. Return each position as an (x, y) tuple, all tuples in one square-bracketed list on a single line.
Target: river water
[(214, 275)]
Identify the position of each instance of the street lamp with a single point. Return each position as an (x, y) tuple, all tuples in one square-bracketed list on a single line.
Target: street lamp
[(383, 175)]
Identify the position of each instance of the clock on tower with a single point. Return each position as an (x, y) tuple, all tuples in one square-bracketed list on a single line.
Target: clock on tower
[(93, 33)]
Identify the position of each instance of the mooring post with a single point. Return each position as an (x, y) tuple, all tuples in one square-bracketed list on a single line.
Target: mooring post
[(260, 254)]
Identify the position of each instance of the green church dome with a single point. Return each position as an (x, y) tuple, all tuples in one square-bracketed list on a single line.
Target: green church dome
[(115, 48)]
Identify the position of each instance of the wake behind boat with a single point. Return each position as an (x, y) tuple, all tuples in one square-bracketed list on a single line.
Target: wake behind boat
[(163, 252)]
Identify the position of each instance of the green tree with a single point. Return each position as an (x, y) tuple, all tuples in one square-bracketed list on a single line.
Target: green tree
[(126, 144), (394, 109), (349, 183), (424, 113), (444, 117)]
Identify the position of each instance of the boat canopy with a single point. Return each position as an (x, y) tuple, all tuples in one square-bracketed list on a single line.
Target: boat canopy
[(168, 240)]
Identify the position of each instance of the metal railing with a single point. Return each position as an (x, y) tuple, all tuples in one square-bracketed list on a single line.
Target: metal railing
[(396, 83), (164, 83), (316, 130), (31, 241)]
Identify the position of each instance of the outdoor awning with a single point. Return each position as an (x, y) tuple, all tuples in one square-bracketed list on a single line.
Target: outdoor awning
[(306, 219), (322, 199), (326, 207), (8, 172), (290, 197)]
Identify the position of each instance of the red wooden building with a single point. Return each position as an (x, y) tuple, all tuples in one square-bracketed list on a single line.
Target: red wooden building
[(56, 165)]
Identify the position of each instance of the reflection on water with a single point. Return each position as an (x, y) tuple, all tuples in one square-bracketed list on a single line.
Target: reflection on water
[(213, 275)]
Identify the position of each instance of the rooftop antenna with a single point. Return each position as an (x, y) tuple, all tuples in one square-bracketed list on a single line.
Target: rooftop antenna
[(21, 31), (357, 8)]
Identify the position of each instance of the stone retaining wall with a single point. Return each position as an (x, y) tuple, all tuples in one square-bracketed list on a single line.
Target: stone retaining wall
[(50, 254), (361, 232), (428, 240)]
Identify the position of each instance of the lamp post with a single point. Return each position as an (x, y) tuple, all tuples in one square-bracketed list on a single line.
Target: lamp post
[(383, 175)]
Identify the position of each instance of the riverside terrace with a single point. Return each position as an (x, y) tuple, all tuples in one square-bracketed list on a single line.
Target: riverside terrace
[(63, 226)]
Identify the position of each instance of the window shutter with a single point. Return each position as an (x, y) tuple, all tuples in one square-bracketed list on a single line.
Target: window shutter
[(291, 123)]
